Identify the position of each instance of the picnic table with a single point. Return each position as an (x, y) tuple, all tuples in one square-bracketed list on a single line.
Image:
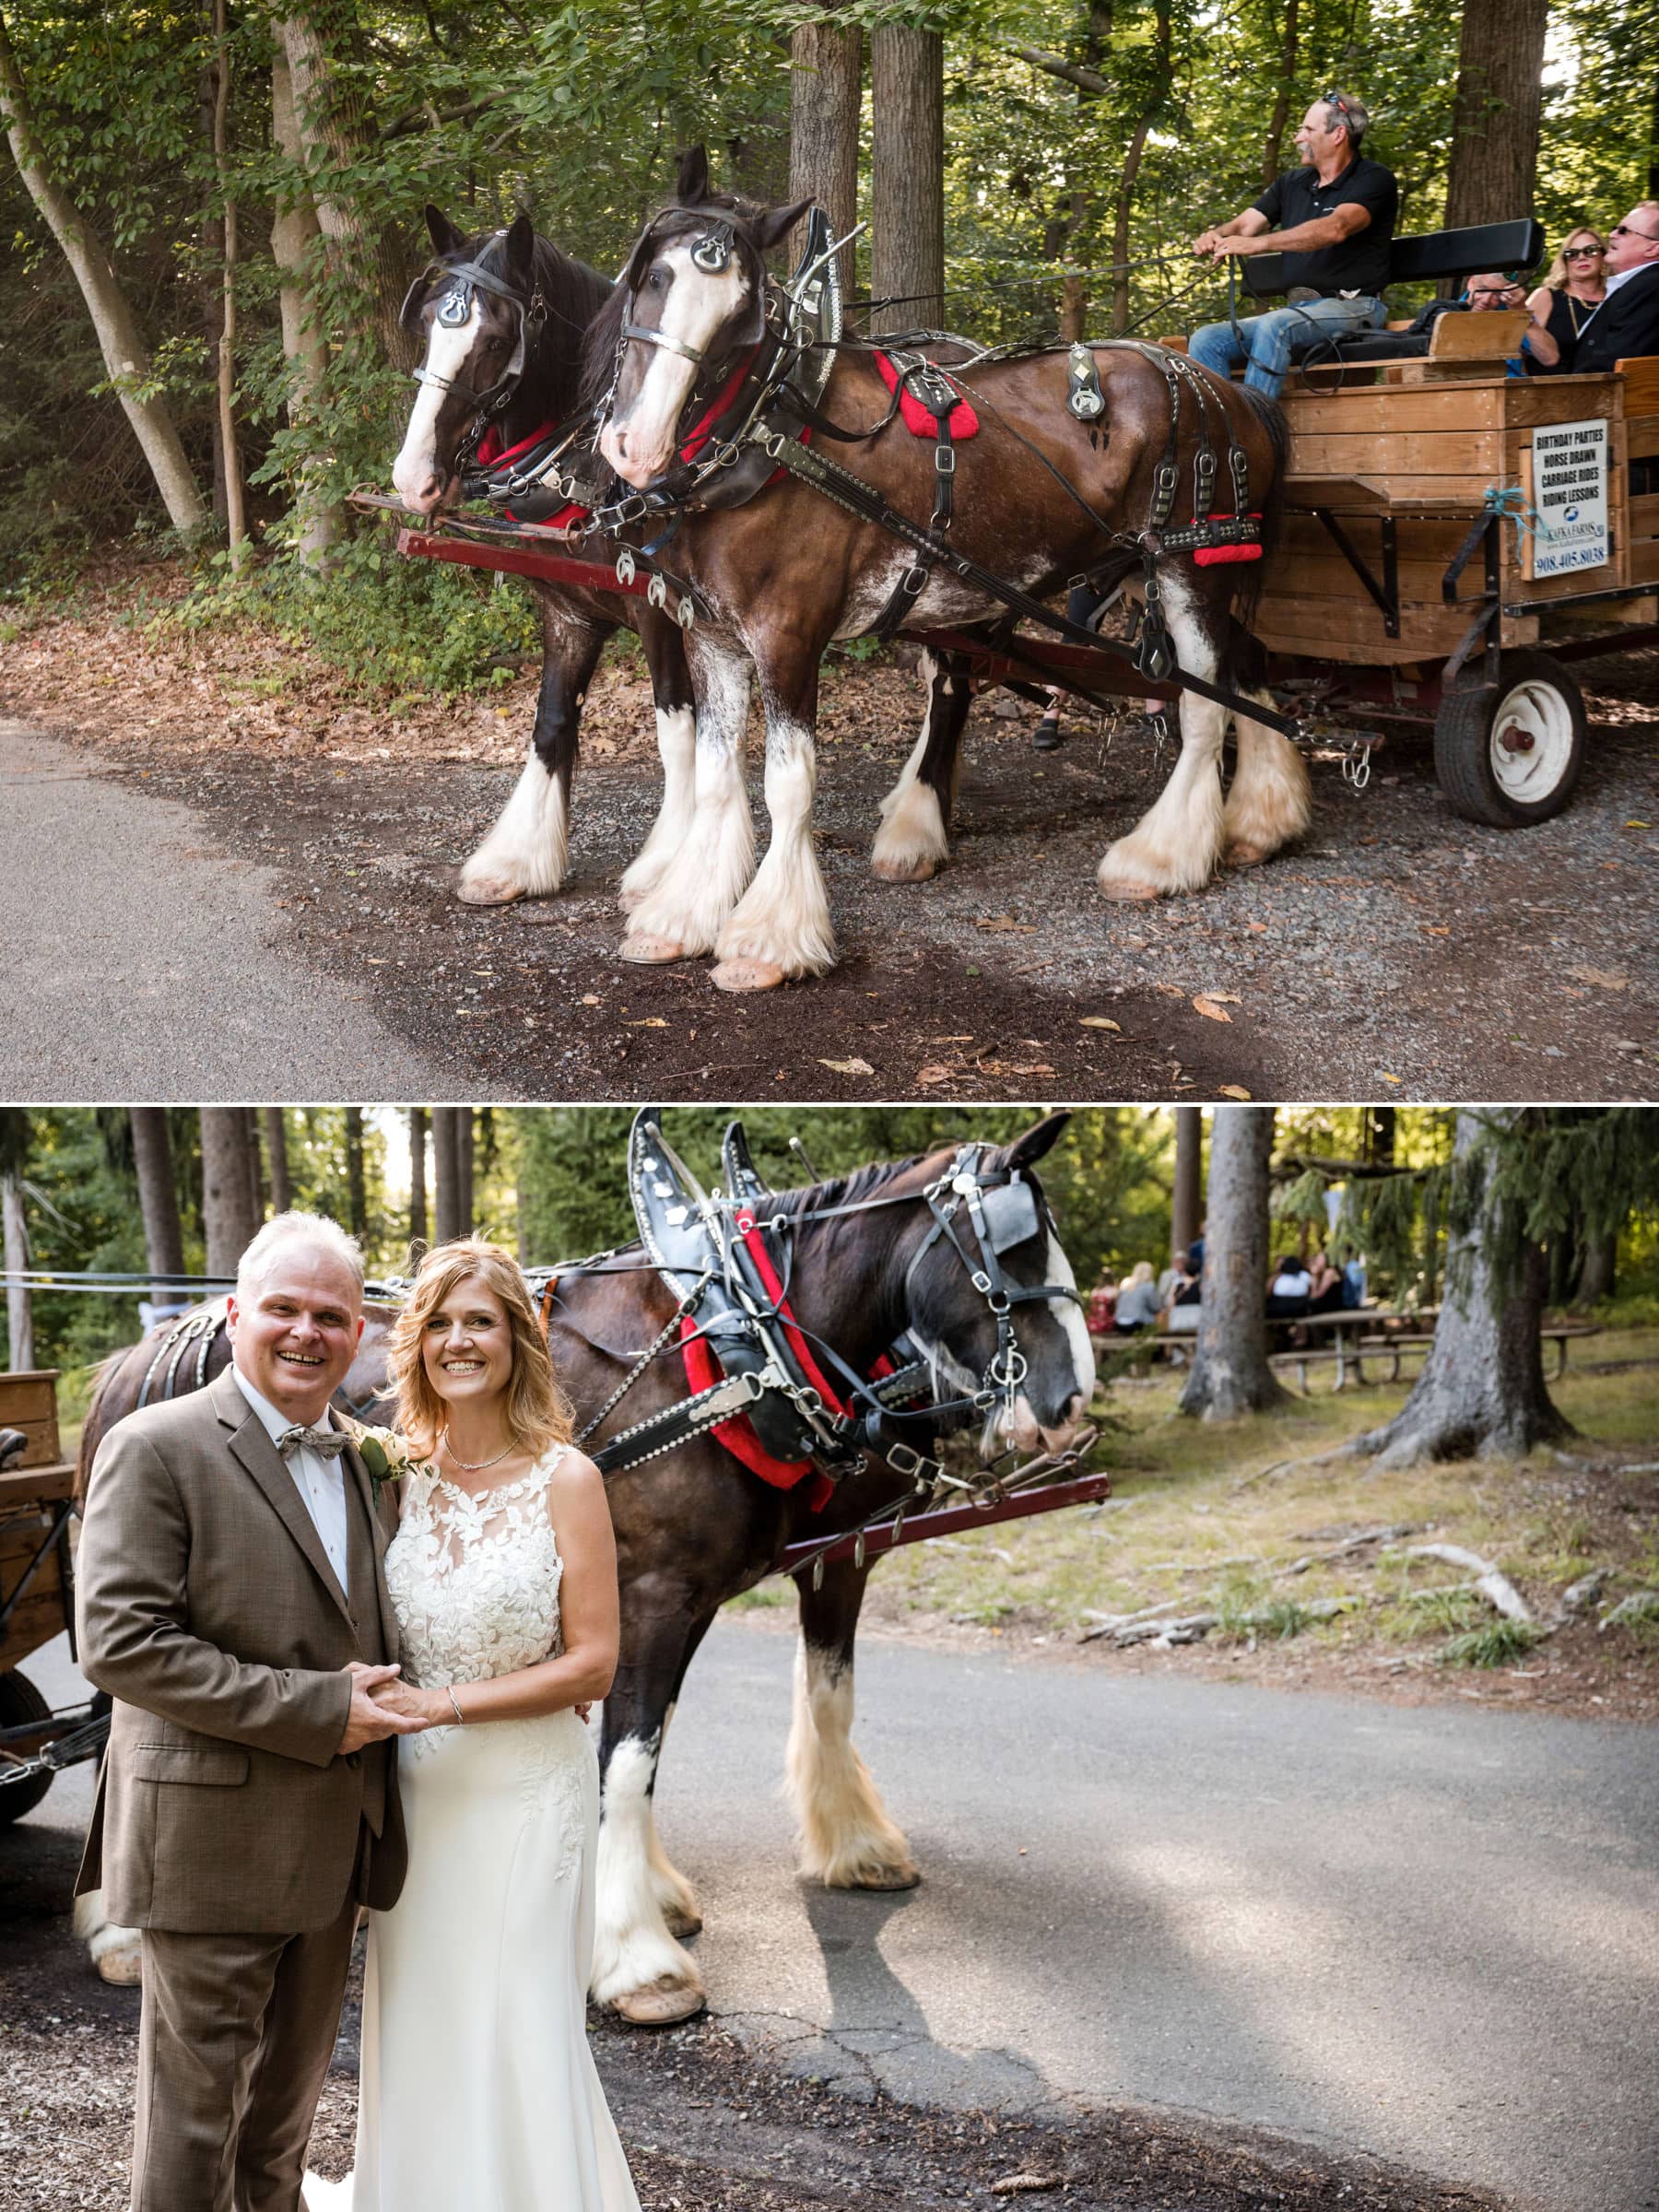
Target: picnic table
[(1360, 1332)]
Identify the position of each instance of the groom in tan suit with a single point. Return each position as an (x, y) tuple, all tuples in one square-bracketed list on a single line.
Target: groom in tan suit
[(231, 1599)]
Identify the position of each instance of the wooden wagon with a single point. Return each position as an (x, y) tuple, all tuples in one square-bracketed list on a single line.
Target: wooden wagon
[(37, 1596)]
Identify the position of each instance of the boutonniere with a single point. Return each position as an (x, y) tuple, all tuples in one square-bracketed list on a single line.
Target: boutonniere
[(382, 1451)]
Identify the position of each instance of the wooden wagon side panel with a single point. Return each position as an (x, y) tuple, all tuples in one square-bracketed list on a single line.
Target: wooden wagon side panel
[(29, 1402), (30, 1493)]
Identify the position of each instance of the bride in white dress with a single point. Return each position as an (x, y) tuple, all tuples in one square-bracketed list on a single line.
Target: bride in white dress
[(477, 2088)]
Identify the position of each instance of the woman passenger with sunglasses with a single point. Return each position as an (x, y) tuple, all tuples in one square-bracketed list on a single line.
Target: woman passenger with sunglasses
[(1574, 288)]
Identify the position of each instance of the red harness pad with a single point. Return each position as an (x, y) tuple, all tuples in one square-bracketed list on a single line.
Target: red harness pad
[(491, 453), (964, 422), (1214, 556), (702, 1371)]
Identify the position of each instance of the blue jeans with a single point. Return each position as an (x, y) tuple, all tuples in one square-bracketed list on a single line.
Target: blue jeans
[(1269, 338)]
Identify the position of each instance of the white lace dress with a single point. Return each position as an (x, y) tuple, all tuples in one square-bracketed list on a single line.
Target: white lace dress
[(479, 2089)]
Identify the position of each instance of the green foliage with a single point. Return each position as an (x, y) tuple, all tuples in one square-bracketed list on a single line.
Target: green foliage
[(1496, 1645)]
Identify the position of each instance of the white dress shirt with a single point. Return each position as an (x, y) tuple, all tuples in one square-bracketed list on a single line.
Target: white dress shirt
[(320, 1482)]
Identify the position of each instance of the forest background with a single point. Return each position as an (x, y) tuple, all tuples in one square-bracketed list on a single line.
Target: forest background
[(212, 211)]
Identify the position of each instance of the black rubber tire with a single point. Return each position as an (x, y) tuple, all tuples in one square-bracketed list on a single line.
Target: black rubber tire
[(21, 1702), (1462, 738)]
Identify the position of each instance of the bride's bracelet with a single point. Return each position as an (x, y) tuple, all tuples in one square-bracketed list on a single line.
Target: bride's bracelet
[(455, 1702)]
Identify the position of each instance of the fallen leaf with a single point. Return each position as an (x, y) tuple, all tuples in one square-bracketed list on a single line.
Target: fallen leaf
[(1224, 999), (1234, 1090), (590, 998), (1432, 929), (1634, 825), (1210, 1010), (1606, 978), (1097, 1021), (1006, 924), (650, 1021), (934, 1073), (849, 1067), (1394, 1078), (1256, 929)]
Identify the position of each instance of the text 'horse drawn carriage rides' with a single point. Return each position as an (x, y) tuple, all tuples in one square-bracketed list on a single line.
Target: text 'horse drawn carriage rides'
[(763, 1379)]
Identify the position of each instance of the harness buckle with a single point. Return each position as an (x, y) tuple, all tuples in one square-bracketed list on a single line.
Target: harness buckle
[(944, 460), (914, 581)]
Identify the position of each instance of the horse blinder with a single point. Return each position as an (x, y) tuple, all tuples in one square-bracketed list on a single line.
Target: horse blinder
[(1011, 1215)]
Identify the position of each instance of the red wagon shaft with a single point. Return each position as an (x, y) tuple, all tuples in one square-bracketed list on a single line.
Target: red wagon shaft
[(918, 1527)]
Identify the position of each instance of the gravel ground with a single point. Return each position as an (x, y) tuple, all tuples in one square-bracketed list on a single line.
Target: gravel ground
[(1397, 951), (708, 2123)]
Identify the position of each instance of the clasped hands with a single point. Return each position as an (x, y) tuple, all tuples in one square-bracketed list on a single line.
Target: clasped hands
[(1218, 245), (384, 1704)]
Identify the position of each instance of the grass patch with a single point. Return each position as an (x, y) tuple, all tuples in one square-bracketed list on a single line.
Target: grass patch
[(1495, 1645), (761, 1597)]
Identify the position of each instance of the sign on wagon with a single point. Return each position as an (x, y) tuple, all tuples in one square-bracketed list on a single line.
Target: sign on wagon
[(1570, 494)]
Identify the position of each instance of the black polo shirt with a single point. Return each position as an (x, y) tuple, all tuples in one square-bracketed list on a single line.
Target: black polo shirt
[(1357, 265)]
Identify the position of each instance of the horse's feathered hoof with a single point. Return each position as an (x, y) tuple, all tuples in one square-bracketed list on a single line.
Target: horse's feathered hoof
[(681, 1924), (885, 1878), (1242, 856), (488, 890), (919, 870), (660, 2003), (650, 952), (747, 975), (1133, 893)]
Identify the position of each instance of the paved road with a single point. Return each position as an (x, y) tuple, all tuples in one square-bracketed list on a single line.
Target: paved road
[(1425, 1934), (133, 925)]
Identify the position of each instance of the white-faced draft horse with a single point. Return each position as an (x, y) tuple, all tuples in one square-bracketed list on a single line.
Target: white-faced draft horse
[(1167, 487), (504, 315), (955, 1259)]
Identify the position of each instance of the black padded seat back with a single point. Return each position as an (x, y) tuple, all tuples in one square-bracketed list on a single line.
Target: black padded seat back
[(1429, 255)]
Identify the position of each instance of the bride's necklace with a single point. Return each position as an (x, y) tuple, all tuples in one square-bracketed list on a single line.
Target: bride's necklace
[(474, 1466)]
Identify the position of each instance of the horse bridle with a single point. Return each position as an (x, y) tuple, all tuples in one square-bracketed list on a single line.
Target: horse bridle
[(711, 252), (454, 305)]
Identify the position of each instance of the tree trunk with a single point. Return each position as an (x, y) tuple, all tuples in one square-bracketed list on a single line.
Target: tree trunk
[(907, 177), (1124, 198), (1481, 1390), (158, 1202), (825, 74), (1273, 152), (19, 1299), (226, 1209), (1493, 169), (277, 1160), (335, 131), (1186, 1211), (256, 1186), (418, 1175), (1598, 1273), (236, 523), (357, 1191), (213, 244), (447, 1166), (1230, 1375), (464, 1135), (125, 357), (294, 228)]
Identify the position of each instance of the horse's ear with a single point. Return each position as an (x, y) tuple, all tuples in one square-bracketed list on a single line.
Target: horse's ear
[(1026, 1150), (521, 245), (691, 183), (777, 223), (443, 234)]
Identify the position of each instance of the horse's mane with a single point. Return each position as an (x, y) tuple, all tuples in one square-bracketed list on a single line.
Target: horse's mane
[(845, 1190), (574, 294), (599, 350)]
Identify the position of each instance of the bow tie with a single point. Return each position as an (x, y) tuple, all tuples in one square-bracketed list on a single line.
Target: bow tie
[(328, 1442)]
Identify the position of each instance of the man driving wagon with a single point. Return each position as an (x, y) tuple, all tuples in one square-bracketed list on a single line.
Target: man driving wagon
[(1336, 217)]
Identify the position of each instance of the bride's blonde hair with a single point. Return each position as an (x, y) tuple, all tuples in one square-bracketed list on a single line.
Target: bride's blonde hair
[(538, 1412)]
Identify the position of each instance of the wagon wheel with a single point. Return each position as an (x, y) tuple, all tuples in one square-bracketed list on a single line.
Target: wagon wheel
[(1510, 753), (21, 1702)]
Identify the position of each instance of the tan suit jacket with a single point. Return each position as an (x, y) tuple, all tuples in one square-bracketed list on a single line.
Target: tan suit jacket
[(207, 1608)]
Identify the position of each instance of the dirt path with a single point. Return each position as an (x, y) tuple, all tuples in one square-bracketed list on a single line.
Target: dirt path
[(1397, 951)]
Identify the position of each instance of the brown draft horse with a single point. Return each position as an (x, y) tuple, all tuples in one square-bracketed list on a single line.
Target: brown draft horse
[(1039, 498), (694, 1527)]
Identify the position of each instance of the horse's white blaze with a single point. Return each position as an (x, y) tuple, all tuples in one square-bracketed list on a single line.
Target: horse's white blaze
[(1268, 802), (1175, 845), (912, 825), (846, 1837), (632, 1948), (416, 464), (526, 853), (676, 746), (784, 917), (117, 1953), (706, 875), (1069, 1314), (639, 444)]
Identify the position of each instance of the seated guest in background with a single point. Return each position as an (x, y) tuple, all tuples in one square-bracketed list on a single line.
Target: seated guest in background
[(1575, 286), (1489, 294), (1325, 1286), (1353, 1286), (1289, 1289), (1102, 1307), (1337, 213), (1138, 1304), (1186, 1297), (1627, 321)]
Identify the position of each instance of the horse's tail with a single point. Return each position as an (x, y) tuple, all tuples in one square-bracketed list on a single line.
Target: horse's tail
[(95, 1428)]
